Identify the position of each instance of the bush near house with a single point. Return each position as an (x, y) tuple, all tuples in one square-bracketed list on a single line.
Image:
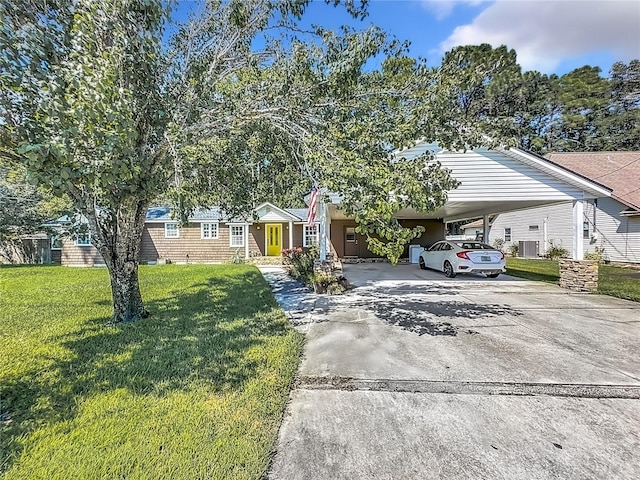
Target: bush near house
[(622, 281), (197, 390)]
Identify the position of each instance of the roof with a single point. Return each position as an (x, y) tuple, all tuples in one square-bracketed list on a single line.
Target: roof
[(619, 171), (476, 224), (164, 214)]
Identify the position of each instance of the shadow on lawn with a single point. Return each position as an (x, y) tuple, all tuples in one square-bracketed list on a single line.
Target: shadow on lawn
[(200, 335)]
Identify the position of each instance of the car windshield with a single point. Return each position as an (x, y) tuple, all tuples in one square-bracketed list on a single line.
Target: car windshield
[(474, 246)]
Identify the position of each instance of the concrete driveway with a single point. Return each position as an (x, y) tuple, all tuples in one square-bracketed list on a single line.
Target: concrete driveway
[(415, 376)]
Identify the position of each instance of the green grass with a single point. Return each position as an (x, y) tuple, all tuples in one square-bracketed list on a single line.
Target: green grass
[(196, 390), (534, 269), (622, 282), (617, 281)]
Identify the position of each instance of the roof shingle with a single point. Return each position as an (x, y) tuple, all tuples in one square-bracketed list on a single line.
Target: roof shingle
[(619, 171)]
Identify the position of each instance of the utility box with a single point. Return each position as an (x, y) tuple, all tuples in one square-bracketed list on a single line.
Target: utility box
[(528, 249), (414, 253)]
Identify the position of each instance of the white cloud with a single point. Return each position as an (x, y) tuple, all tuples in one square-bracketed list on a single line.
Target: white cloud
[(544, 33), (443, 8)]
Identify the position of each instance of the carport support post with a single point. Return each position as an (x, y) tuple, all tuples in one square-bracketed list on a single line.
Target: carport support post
[(485, 228), (578, 218)]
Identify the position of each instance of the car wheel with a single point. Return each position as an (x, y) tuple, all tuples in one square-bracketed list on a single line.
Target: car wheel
[(421, 263), (492, 275), (448, 270)]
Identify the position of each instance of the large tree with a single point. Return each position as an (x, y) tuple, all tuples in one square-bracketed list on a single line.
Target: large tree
[(105, 104)]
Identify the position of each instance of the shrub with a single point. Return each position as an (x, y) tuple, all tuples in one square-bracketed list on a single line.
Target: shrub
[(555, 252), (300, 263), (514, 249), (498, 243)]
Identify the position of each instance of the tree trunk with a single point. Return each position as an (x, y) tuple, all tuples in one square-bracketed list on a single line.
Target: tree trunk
[(118, 236)]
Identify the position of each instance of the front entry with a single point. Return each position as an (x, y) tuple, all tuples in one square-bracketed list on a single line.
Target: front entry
[(274, 240), (350, 242)]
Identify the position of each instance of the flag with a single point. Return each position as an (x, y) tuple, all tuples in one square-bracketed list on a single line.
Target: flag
[(313, 203)]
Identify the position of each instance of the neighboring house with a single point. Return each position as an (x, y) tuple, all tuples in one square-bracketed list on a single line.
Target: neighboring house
[(492, 181), (609, 225), (470, 231)]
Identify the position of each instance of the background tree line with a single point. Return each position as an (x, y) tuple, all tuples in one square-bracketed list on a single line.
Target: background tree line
[(578, 111)]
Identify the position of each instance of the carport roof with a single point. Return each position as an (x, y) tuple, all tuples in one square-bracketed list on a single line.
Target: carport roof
[(498, 181)]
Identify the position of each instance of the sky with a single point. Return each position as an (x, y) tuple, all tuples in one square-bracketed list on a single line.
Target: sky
[(548, 36)]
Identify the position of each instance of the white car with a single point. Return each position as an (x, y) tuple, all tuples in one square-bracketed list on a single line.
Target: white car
[(460, 256)]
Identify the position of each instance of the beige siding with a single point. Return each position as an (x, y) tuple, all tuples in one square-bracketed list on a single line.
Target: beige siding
[(76, 255), (189, 247)]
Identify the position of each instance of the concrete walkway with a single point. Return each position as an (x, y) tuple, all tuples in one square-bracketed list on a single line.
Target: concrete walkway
[(414, 376)]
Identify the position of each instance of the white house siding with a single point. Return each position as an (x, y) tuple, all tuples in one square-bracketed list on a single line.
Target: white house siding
[(491, 175), (619, 236)]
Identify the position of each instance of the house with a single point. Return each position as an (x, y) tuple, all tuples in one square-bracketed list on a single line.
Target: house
[(492, 181), (208, 237), (470, 231), (609, 225)]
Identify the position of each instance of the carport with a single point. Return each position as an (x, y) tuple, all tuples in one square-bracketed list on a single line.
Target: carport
[(491, 182)]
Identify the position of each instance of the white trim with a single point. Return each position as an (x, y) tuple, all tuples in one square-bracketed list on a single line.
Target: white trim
[(87, 235), (212, 237), (242, 236), (304, 235), (578, 241), (286, 215), (177, 230)]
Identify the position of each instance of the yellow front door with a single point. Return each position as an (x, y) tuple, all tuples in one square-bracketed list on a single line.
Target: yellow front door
[(274, 240)]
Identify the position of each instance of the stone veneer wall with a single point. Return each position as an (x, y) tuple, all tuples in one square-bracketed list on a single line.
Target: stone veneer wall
[(579, 275)]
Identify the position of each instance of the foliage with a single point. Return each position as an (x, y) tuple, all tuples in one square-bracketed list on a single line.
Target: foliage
[(111, 105), (24, 208), (197, 393), (498, 244), (301, 263), (555, 252), (487, 100), (598, 255), (514, 249)]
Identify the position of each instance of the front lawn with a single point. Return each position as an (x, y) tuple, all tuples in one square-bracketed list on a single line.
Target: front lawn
[(196, 390), (614, 280)]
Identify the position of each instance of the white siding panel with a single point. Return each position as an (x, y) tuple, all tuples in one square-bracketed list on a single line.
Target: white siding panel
[(618, 235), (559, 226), (492, 175)]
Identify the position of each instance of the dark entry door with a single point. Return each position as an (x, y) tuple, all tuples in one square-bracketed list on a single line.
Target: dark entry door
[(350, 242)]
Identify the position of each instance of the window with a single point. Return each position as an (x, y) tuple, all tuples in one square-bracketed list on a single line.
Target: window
[(585, 229), (533, 228), (171, 230), (56, 243), (507, 234), (310, 235), (83, 240), (209, 231), (236, 235), (350, 234)]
